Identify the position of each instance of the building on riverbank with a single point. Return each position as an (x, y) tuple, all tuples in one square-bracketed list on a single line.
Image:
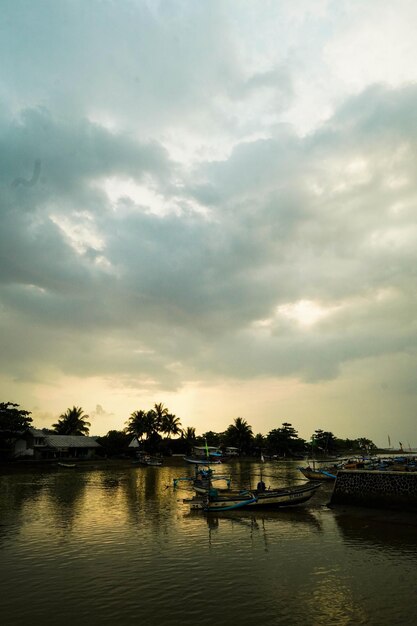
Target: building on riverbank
[(39, 445)]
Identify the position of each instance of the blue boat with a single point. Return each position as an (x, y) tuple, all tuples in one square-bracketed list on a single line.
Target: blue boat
[(214, 501)]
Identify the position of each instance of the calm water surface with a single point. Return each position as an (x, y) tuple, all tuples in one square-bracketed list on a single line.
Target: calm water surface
[(117, 545)]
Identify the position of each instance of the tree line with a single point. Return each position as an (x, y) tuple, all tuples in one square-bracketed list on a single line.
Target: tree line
[(158, 430)]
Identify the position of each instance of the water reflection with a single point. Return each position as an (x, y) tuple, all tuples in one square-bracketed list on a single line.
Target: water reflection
[(265, 526), (14, 498), (388, 531), (120, 543), (286, 520)]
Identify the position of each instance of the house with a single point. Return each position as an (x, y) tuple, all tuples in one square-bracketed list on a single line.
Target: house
[(134, 444), (39, 444), (204, 451)]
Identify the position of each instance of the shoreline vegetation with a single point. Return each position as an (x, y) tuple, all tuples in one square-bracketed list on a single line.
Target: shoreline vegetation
[(157, 431)]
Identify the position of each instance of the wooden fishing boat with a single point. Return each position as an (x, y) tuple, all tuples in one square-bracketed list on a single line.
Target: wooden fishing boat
[(202, 461), (216, 501), (228, 502), (284, 496), (203, 479), (328, 473), (265, 498), (204, 455), (67, 465)]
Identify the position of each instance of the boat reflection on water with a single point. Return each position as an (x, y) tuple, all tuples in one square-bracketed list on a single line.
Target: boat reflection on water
[(277, 523)]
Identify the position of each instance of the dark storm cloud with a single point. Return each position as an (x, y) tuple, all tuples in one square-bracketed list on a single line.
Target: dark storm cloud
[(184, 280)]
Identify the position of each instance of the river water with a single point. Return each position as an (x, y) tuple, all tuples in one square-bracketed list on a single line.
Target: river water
[(116, 545)]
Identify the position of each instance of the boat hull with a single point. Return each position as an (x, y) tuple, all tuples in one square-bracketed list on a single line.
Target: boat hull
[(319, 475), (202, 461), (216, 506), (219, 502), (277, 498)]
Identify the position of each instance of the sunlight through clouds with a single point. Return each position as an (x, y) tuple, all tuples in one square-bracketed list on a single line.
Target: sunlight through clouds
[(202, 202)]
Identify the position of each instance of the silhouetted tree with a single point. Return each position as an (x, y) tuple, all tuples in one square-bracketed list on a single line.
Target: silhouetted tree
[(239, 435), (13, 419), (115, 443), (189, 437), (13, 422), (137, 424), (72, 422), (171, 425), (323, 442), (285, 440), (159, 414), (211, 438)]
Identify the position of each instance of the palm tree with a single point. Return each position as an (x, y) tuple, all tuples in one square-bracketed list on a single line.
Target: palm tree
[(160, 412), (171, 425), (151, 424), (72, 422), (190, 437), (239, 434), (136, 425)]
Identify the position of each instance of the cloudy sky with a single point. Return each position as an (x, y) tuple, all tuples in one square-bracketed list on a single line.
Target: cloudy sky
[(211, 205)]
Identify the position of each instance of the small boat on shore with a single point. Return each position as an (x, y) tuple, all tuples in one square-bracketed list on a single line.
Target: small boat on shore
[(67, 465), (147, 459)]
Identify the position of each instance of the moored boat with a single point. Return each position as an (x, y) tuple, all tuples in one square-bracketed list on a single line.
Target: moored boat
[(267, 498), (203, 479), (284, 496), (202, 461), (264, 498), (147, 459), (215, 501), (312, 473)]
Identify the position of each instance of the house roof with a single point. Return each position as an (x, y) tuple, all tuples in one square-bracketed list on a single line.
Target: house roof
[(71, 441), (36, 432), (64, 441)]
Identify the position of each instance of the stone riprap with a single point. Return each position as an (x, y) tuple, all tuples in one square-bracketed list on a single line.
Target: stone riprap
[(389, 490)]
